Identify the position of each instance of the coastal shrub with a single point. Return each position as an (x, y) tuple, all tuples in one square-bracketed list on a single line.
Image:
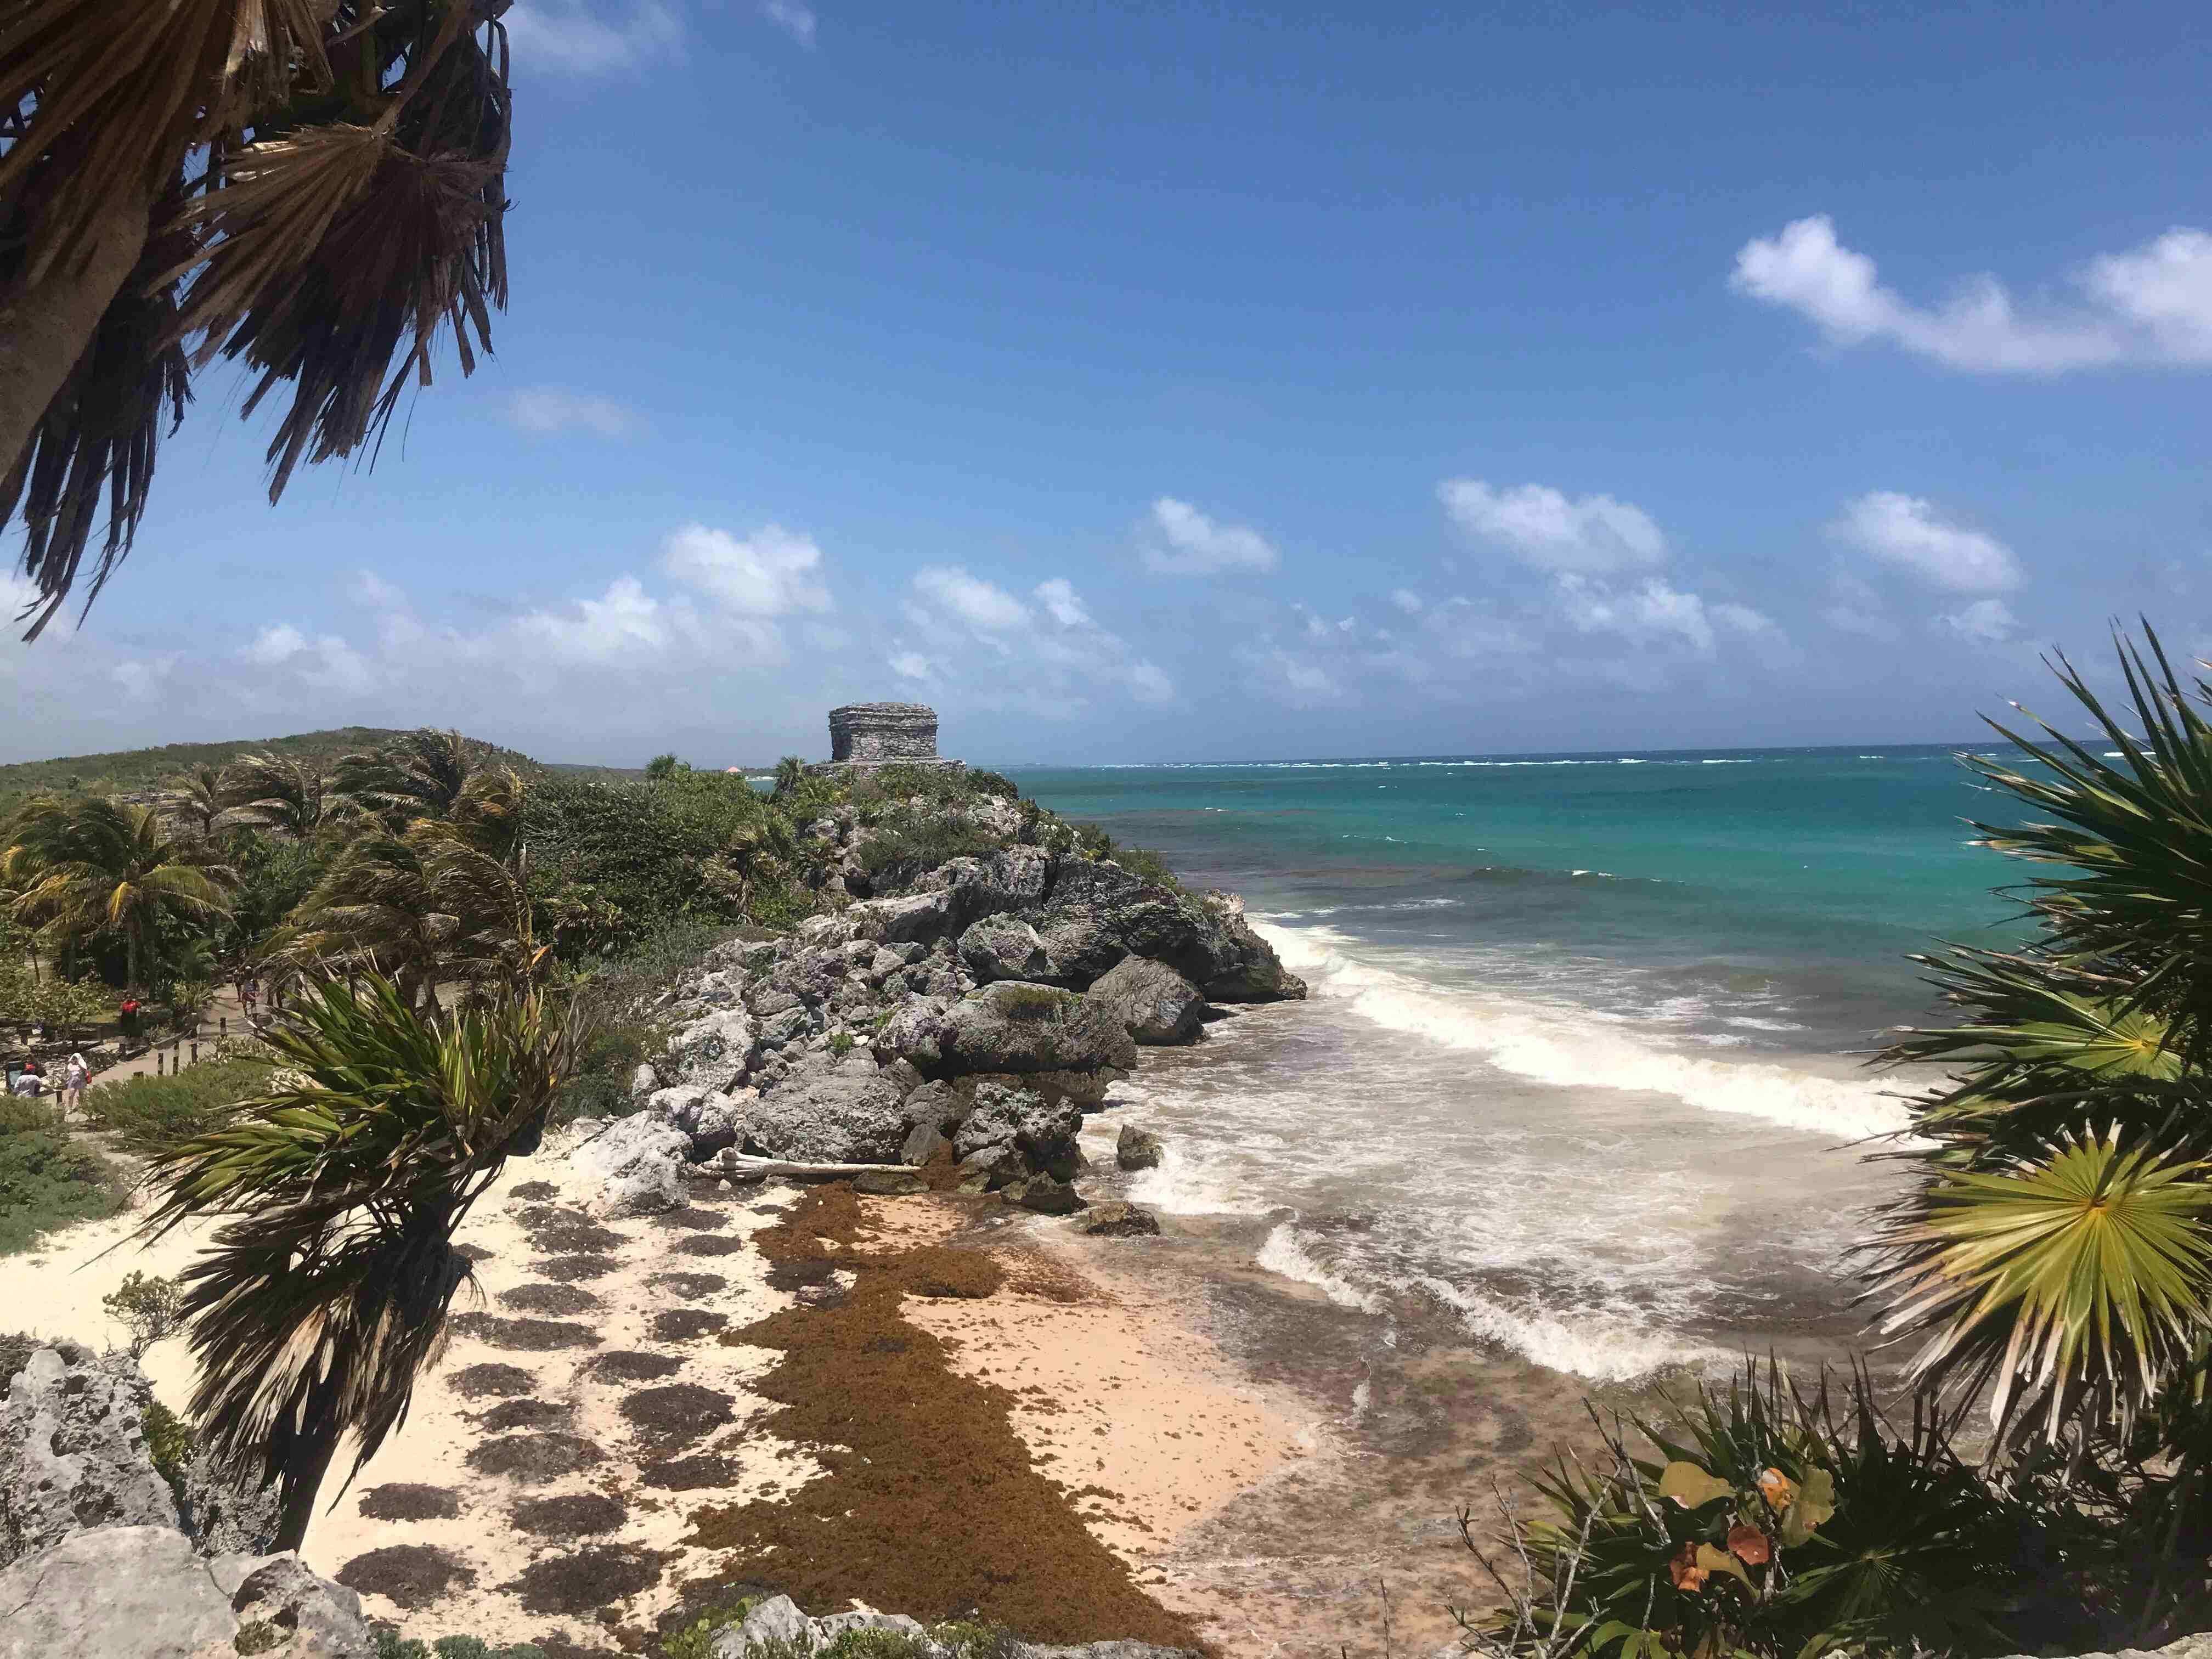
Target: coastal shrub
[(17, 1348), (1760, 1520), (147, 1114), (389, 1645), (908, 842), (841, 1044), (694, 1638), (170, 1443), (149, 1309), (612, 998), (1146, 865), (48, 1180)]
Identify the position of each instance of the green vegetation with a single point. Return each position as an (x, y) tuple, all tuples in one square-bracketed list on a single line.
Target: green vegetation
[(695, 1637), (389, 1645), (150, 1114), (148, 1307), (2050, 1263), (93, 864), (170, 1443), (324, 1289), (614, 1032), (46, 1180)]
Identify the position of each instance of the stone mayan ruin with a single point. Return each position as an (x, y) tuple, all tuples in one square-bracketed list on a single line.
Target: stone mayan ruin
[(868, 734)]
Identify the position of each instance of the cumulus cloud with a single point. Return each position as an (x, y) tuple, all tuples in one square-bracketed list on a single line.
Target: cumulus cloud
[(577, 37), (1047, 643), (550, 412), (773, 571), (1653, 608), (1059, 600), (1176, 540), (1284, 672), (1906, 532), (797, 20), (623, 620), (1406, 600), (1592, 535), (2150, 305), (968, 599)]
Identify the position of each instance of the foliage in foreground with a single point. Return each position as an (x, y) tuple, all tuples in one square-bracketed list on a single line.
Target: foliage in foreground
[(324, 1290), (1761, 1519)]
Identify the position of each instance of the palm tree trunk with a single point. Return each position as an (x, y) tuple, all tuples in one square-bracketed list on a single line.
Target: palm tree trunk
[(301, 1481), (45, 325)]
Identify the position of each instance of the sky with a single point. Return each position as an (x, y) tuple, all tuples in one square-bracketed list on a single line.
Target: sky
[(1180, 380)]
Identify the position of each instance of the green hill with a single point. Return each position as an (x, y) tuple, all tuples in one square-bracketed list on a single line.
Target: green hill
[(138, 771)]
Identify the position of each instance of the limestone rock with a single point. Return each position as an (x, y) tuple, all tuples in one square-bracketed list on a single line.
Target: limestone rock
[(1015, 1026), (914, 1034), (73, 1455), (989, 1168), (1137, 1149), (923, 1142), (118, 1592), (1044, 1195), (710, 1053), (637, 1164), (831, 1110), (1157, 1006), (711, 1120), (314, 1618), (227, 1511), (1119, 1221), (643, 1081), (890, 1183), (1099, 914), (1001, 947), (923, 916), (1044, 1130), (1244, 967)]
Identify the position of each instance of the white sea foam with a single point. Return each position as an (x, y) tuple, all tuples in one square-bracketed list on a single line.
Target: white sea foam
[(1550, 1046), (1286, 1252), (1601, 1348)]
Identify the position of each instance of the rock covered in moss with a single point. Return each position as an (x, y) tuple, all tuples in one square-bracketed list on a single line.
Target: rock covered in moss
[(1137, 1149), (1157, 1007)]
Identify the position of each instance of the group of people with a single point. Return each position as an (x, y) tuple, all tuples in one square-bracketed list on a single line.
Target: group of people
[(68, 1081)]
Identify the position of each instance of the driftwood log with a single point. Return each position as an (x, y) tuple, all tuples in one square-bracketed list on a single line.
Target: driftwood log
[(738, 1166)]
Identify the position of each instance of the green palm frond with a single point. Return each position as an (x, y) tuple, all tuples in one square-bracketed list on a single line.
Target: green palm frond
[(85, 863), (2082, 1278), (324, 1288), (279, 794)]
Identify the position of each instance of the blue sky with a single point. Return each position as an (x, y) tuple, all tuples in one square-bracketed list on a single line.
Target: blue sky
[(1199, 381)]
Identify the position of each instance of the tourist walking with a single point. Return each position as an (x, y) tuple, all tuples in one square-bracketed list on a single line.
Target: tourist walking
[(128, 1019), (28, 1084), (74, 1075)]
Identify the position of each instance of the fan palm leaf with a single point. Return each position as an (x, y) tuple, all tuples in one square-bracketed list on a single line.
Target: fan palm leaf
[(82, 865)]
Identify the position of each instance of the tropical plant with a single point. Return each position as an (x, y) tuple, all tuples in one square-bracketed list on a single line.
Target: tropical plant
[(198, 800), (416, 774), (662, 766), (90, 863), (327, 176), (1764, 1520), (2054, 1250), (425, 908), (790, 773), (323, 1291), (276, 792), (147, 1307)]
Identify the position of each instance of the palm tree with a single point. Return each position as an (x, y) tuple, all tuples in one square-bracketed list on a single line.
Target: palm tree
[(790, 772), (2055, 1248), (87, 864), (198, 800), (292, 796), (314, 188), (416, 774), (324, 1292), (425, 908)]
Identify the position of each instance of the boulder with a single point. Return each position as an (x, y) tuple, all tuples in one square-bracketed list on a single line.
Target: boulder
[(925, 916), (1119, 1221), (830, 1109), (73, 1453), (914, 1034), (227, 1510), (923, 1142), (309, 1617), (643, 1081), (1017, 1026), (1044, 1195), (710, 1053), (1044, 1131), (118, 1592), (711, 1118), (989, 1168), (637, 1164), (1157, 1006), (1003, 947), (1098, 913), (890, 1183), (1137, 1149), (1243, 968)]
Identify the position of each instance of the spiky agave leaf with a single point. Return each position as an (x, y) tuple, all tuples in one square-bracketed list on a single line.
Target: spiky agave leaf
[(2076, 1281)]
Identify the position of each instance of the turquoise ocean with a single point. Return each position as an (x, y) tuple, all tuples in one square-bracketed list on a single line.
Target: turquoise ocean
[(1582, 1076)]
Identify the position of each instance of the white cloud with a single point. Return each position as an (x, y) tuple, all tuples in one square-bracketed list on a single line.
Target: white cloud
[(980, 604), (576, 37), (1742, 618), (367, 587), (1653, 608), (1985, 619), (1406, 600), (1303, 679), (1149, 683), (2150, 305), (1176, 540), (1592, 535), (797, 20), (1906, 531), (913, 666), (1059, 603), (550, 412), (773, 571), (624, 619), (278, 642)]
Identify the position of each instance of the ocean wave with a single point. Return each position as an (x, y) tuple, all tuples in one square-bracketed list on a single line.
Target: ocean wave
[(1548, 1046), (1602, 1347), (1285, 1253)]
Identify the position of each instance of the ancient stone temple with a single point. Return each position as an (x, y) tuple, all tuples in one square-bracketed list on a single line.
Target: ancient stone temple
[(865, 734)]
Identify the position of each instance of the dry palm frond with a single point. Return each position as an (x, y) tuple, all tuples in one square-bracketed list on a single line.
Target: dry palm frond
[(137, 85), (99, 439)]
